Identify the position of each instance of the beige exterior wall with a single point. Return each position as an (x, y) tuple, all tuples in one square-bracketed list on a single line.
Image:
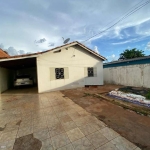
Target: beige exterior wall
[(5, 79), (132, 75), (75, 60)]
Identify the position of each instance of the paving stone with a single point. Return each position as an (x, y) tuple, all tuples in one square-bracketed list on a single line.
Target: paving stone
[(137, 148), (83, 144), (47, 148), (69, 125), (7, 145), (84, 113), (42, 135), (24, 131), (67, 147), (60, 140), (107, 146), (75, 134), (58, 109), (87, 129), (48, 111), (47, 144), (123, 144), (65, 119), (74, 115), (55, 130), (40, 126), (10, 128), (8, 136), (41, 120), (52, 121), (25, 124), (94, 120), (109, 133), (97, 139), (81, 121), (61, 114)]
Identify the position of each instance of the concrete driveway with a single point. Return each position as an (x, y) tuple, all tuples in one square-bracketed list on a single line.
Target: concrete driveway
[(51, 121)]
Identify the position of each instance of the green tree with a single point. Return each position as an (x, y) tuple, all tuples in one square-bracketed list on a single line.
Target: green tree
[(133, 53)]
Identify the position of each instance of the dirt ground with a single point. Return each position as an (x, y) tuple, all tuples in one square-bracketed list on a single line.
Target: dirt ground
[(132, 126)]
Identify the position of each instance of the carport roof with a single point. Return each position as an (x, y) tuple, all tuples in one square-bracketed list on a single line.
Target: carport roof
[(63, 46), (19, 63)]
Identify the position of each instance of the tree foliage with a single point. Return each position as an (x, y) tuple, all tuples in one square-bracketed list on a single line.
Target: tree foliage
[(133, 53)]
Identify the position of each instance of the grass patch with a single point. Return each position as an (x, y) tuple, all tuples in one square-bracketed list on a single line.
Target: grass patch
[(148, 95), (86, 94)]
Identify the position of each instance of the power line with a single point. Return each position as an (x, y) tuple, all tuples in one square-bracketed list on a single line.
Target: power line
[(122, 18), (125, 13), (136, 9), (125, 16)]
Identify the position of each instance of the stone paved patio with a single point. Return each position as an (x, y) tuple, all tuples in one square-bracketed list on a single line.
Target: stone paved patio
[(56, 122)]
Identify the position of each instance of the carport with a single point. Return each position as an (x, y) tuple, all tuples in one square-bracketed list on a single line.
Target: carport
[(10, 67)]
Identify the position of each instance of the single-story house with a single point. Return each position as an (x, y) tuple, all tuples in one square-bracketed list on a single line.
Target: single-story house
[(68, 66), (128, 72)]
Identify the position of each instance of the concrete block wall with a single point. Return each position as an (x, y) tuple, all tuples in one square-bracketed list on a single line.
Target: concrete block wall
[(131, 75)]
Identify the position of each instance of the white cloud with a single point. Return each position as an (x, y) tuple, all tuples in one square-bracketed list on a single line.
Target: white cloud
[(11, 51), (1, 46), (117, 31), (77, 20), (21, 52), (148, 46), (96, 49), (112, 57), (128, 47), (40, 40), (134, 40), (51, 44)]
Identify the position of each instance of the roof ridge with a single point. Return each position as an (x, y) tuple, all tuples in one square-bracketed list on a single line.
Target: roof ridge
[(74, 42)]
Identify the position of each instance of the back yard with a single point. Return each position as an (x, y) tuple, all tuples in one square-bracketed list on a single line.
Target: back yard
[(129, 120)]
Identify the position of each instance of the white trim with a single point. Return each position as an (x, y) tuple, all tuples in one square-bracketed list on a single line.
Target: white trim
[(91, 51), (8, 59)]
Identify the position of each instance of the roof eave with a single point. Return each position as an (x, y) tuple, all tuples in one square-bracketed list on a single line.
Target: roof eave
[(16, 58), (57, 48), (91, 51), (128, 60)]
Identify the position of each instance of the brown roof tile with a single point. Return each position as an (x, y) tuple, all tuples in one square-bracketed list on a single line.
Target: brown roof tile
[(3, 54)]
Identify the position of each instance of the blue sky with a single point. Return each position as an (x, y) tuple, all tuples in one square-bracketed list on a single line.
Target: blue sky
[(32, 26)]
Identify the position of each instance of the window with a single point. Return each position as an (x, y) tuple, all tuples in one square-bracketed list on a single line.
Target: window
[(59, 73), (90, 72)]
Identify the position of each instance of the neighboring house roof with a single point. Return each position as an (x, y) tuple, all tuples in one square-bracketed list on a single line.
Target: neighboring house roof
[(56, 48), (3, 54), (126, 62)]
